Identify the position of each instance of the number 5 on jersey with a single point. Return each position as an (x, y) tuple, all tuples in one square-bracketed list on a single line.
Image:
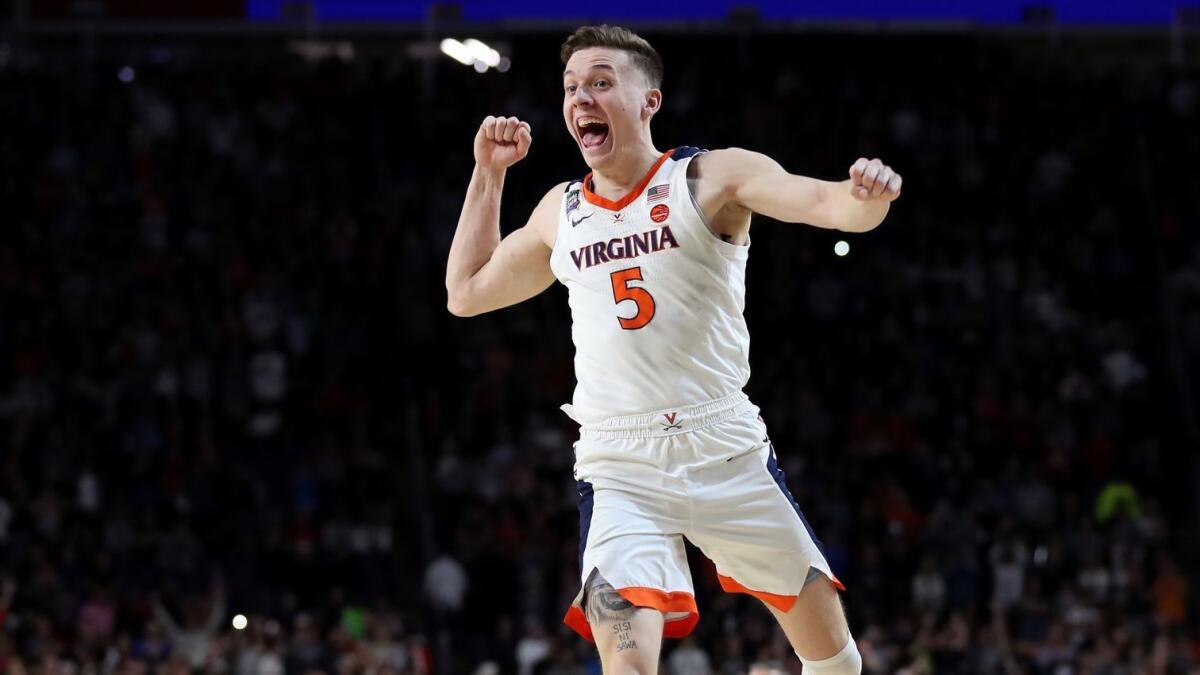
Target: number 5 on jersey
[(622, 291)]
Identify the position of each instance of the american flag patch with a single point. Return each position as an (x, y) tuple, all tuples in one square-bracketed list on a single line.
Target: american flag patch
[(658, 193)]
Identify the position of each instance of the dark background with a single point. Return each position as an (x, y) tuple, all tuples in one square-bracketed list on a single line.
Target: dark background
[(229, 385)]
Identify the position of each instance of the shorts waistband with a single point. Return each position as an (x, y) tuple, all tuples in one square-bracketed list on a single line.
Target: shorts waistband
[(670, 421)]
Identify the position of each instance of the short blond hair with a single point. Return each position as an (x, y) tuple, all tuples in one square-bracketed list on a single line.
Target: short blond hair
[(644, 56)]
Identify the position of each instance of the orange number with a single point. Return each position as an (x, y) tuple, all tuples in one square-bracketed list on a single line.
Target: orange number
[(623, 291)]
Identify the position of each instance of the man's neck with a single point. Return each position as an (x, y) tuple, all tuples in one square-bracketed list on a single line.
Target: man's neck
[(616, 181)]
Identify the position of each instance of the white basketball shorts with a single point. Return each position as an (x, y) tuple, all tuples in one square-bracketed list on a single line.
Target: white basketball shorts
[(707, 472)]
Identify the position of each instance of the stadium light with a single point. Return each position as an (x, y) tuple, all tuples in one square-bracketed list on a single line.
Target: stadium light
[(483, 52), (457, 51), (472, 52)]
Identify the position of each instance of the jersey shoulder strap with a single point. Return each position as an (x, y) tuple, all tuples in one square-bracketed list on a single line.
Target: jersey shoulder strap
[(686, 151)]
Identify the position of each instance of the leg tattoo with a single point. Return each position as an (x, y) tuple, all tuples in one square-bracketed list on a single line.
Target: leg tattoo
[(607, 610)]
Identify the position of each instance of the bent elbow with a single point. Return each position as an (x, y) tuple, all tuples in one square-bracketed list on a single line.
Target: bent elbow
[(458, 305)]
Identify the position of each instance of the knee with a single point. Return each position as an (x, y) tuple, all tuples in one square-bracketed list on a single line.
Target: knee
[(846, 662)]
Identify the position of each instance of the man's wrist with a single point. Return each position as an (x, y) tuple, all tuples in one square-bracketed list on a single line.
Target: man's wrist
[(491, 175)]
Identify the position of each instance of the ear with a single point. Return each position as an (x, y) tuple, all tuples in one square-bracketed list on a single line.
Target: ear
[(652, 103)]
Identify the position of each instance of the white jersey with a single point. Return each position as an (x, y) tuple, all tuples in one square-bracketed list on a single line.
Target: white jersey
[(656, 297)]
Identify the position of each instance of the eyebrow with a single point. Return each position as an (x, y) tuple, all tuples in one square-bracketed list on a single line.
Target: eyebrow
[(605, 66)]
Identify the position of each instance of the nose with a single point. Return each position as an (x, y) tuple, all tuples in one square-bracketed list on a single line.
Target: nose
[(581, 96)]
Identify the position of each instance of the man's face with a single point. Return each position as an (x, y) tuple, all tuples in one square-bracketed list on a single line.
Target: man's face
[(605, 98)]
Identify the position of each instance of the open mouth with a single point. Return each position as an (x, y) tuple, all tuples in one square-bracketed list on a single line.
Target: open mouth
[(592, 132)]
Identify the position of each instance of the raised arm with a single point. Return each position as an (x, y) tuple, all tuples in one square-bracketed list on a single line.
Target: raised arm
[(485, 273), (165, 621), (758, 183), (216, 610)]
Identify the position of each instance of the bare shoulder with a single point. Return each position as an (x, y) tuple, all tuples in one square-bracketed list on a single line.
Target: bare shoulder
[(722, 169), (553, 197), (544, 219)]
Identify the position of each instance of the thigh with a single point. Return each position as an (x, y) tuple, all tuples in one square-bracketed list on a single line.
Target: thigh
[(816, 624), (629, 638)]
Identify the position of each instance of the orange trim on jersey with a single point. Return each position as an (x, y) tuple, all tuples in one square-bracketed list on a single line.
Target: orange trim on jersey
[(651, 598), (677, 601), (782, 603), (577, 622), (621, 203)]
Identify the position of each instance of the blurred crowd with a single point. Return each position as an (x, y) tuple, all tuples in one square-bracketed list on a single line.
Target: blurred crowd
[(242, 435)]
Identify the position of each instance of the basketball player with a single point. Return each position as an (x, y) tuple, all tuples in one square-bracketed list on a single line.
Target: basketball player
[(652, 247)]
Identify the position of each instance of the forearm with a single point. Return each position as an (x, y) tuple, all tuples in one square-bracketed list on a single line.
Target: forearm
[(848, 214), (800, 199), (758, 183), (216, 614), (478, 232), (166, 622)]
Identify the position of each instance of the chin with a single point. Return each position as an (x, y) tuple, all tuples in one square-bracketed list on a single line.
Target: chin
[(593, 162), (597, 157)]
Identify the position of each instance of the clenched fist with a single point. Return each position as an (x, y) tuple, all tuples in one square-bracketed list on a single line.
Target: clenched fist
[(501, 142), (872, 179)]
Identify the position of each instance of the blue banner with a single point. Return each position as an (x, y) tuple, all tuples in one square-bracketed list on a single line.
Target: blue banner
[(994, 12)]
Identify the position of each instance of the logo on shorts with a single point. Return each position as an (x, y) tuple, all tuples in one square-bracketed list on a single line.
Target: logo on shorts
[(671, 424)]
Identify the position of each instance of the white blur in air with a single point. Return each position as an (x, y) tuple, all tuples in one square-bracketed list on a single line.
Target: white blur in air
[(481, 67), (126, 74), (482, 52), (841, 248), (457, 51), (239, 622)]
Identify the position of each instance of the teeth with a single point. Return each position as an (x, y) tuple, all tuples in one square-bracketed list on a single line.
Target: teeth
[(589, 121)]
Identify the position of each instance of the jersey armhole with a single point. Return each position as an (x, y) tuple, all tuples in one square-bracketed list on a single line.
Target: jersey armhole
[(687, 184)]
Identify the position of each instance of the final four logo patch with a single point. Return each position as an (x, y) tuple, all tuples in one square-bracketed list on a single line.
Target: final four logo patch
[(572, 201)]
